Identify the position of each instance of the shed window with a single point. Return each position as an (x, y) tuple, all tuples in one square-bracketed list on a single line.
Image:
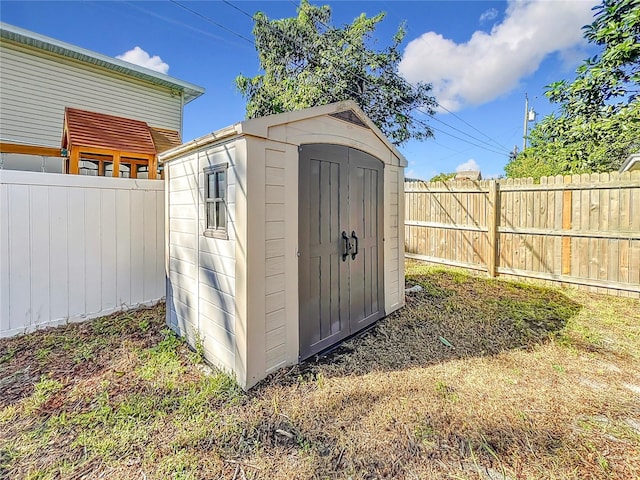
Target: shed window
[(216, 200)]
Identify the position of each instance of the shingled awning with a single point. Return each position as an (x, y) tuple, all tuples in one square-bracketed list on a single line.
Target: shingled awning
[(101, 138)]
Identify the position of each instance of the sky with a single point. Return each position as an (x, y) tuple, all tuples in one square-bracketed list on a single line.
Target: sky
[(481, 57)]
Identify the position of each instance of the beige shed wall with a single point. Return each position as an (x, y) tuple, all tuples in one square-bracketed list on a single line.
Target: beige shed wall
[(182, 247), (217, 265), (201, 294), (37, 87)]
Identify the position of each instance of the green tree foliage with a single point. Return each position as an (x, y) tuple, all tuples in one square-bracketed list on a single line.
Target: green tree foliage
[(599, 121), (443, 177), (307, 62)]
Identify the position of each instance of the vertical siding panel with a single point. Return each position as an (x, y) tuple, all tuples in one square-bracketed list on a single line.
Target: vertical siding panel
[(76, 268), (92, 239), (159, 290), (39, 254), (108, 255), (19, 260), (59, 248), (137, 246), (149, 253), (5, 258), (123, 247)]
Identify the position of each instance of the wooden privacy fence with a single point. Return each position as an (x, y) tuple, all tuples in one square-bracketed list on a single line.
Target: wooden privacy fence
[(580, 229)]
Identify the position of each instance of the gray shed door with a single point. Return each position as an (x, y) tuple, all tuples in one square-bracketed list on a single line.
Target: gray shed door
[(340, 244)]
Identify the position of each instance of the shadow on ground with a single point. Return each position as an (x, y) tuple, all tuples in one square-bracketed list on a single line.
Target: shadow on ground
[(455, 315)]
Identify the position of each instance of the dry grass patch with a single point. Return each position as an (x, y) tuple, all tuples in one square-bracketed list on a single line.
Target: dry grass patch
[(474, 379)]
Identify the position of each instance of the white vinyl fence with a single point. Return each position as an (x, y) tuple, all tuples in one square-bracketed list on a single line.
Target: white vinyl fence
[(76, 247)]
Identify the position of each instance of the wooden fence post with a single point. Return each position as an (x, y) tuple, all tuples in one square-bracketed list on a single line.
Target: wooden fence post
[(492, 225)]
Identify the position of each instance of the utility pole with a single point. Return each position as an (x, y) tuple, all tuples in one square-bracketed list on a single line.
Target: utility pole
[(526, 120), (529, 116)]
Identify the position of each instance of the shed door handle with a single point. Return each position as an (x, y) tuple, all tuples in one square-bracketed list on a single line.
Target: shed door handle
[(346, 246), (354, 251)]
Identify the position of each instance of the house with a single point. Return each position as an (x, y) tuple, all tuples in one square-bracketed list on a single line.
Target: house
[(284, 236), (42, 78)]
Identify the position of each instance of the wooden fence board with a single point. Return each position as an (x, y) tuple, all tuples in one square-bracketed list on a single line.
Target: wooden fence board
[(580, 229)]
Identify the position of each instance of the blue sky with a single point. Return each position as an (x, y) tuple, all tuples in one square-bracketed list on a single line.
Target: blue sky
[(481, 57)]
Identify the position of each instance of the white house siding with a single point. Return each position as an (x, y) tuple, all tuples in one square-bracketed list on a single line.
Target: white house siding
[(36, 88), (182, 256), (73, 248), (217, 265)]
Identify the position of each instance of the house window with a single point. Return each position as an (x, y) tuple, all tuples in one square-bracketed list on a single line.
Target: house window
[(216, 201)]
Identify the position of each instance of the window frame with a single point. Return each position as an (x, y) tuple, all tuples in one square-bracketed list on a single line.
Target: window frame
[(216, 231)]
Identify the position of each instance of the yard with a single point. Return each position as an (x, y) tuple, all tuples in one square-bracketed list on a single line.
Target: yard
[(473, 379)]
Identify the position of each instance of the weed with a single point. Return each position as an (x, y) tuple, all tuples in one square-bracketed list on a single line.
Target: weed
[(8, 355), (446, 392), (197, 355), (424, 433), (42, 354), (144, 324), (43, 390)]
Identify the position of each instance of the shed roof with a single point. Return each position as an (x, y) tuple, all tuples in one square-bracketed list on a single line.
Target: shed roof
[(98, 130), (259, 127), (41, 42)]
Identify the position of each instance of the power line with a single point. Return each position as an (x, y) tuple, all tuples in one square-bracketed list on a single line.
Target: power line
[(486, 145), (204, 17), (495, 142), (467, 123)]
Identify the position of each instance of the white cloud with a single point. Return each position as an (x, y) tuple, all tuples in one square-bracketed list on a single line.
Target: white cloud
[(491, 64), (139, 57), (469, 166), (487, 15)]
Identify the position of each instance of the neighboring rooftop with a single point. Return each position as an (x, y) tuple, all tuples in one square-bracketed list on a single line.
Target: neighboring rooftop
[(631, 163), (21, 36)]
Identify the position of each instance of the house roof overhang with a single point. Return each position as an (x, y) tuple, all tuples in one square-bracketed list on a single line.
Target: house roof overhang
[(34, 40)]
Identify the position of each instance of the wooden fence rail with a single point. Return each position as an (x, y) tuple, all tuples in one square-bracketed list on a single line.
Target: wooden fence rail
[(580, 229)]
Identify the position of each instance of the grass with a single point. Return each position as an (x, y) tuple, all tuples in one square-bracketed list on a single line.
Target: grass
[(473, 379)]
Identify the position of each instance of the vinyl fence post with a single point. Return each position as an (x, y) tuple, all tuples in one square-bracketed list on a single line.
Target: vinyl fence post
[(493, 214)]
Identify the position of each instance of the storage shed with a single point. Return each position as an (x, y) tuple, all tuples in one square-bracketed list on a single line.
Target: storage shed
[(283, 236)]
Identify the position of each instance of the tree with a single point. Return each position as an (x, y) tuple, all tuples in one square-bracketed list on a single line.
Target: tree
[(307, 62), (443, 177), (599, 121)]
